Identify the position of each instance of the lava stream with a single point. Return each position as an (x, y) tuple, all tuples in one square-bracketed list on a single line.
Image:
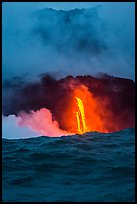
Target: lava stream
[(82, 125)]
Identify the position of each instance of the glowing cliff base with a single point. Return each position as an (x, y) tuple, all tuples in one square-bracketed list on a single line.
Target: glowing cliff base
[(80, 123)]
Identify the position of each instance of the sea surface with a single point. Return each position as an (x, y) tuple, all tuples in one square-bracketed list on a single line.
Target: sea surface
[(88, 167)]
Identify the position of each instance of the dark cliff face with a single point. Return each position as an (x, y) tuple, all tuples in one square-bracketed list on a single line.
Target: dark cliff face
[(55, 95)]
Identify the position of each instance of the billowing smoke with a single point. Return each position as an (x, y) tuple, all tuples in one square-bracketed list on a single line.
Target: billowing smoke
[(47, 105), (41, 122), (69, 42), (71, 45)]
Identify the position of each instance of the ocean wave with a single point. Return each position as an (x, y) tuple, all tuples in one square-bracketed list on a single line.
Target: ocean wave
[(89, 167)]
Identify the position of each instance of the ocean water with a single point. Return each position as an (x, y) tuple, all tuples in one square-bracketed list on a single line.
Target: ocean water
[(89, 167)]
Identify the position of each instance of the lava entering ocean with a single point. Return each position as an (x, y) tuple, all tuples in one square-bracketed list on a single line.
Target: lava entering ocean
[(85, 113), (74, 105), (80, 112)]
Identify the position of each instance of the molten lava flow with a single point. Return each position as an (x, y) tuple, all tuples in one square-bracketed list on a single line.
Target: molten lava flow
[(78, 122), (84, 112), (81, 111)]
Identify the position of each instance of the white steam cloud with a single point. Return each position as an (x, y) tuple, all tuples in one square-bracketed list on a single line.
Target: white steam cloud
[(76, 42), (36, 123)]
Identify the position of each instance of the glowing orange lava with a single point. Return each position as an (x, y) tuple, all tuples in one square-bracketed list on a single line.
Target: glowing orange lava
[(85, 113), (78, 113)]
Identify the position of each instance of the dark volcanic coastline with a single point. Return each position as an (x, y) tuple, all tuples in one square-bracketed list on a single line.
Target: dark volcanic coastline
[(56, 95)]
